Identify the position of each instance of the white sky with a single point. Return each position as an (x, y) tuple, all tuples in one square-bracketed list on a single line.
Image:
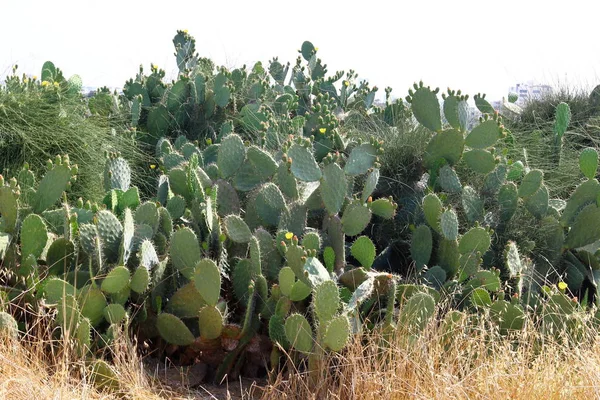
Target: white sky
[(476, 46)]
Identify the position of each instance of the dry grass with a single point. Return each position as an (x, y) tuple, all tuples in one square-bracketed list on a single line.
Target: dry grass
[(474, 364)]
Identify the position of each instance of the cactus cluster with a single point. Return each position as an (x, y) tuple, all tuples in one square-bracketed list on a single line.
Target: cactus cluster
[(256, 239)]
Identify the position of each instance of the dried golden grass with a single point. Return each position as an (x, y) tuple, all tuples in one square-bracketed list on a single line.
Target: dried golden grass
[(474, 364)]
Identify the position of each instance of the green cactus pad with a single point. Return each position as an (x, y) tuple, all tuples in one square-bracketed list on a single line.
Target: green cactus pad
[(456, 111), (34, 236), (207, 279), (337, 334), (509, 317), (447, 145), (8, 209), (185, 251), (176, 206), (103, 376), (8, 325), (476, 239), (370, 185), (178, 182), (110, 231), (531, 183), (562, 119), (432, 208), (586, 193), (147, 213), (307, 50), (116, 280), (68, 314), (117, 174), (140, 280), (147, 255), (588, 162), (237, 230), (416, 313), (270, 204), (508, 199), (480, 297), (494, 180), (228, 200), (287, 278), (210, 321), (421, 246), (173, 330), (55, 289), (483, 135), (488, 280), (537, 203), (355, 219), (92, 303), (186, 302), (314, 272), (311, 241), (435, 277), (60, 256), (326, 299), (277, 331), (384, 208), (333, 187), (448, 256), (449, 224), (426, 108), (515, 171), (299, 333), (286, 182), (300, 291), (364, 251), (585, 228), (304, 166), (241, 278), (362, 158), (483, 105), (257, 169), (480, 161), (472, 204), (449, 180), (51, 187), (469, 264), (232, 154), (114, 313)]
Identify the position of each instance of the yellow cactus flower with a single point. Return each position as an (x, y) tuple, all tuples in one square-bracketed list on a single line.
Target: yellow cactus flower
[(323, 130), (289, 235), (346, 83), (25, 80), (35, 77), (185, 31), (562, 285), (45, 83), (56, 84), (152, 166)]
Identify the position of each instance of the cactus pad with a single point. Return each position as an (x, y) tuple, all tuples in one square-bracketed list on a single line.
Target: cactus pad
[(588, 162), (326, 299), (449, 224), (364, 251), (116, 280), (185, 251), (210, 321), (337, 333), (173, 330), (333, 188), (207, 279), (299, 333)]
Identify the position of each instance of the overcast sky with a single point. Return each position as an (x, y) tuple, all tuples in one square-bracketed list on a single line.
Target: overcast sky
[(462, 44)]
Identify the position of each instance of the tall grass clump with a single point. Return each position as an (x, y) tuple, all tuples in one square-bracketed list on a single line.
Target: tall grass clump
[(39, 121)]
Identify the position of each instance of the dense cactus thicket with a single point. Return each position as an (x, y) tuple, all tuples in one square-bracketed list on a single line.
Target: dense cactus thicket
[(254, 249)]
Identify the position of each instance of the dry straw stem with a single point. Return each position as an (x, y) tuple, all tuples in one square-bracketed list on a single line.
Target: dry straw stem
[(472, 364)]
